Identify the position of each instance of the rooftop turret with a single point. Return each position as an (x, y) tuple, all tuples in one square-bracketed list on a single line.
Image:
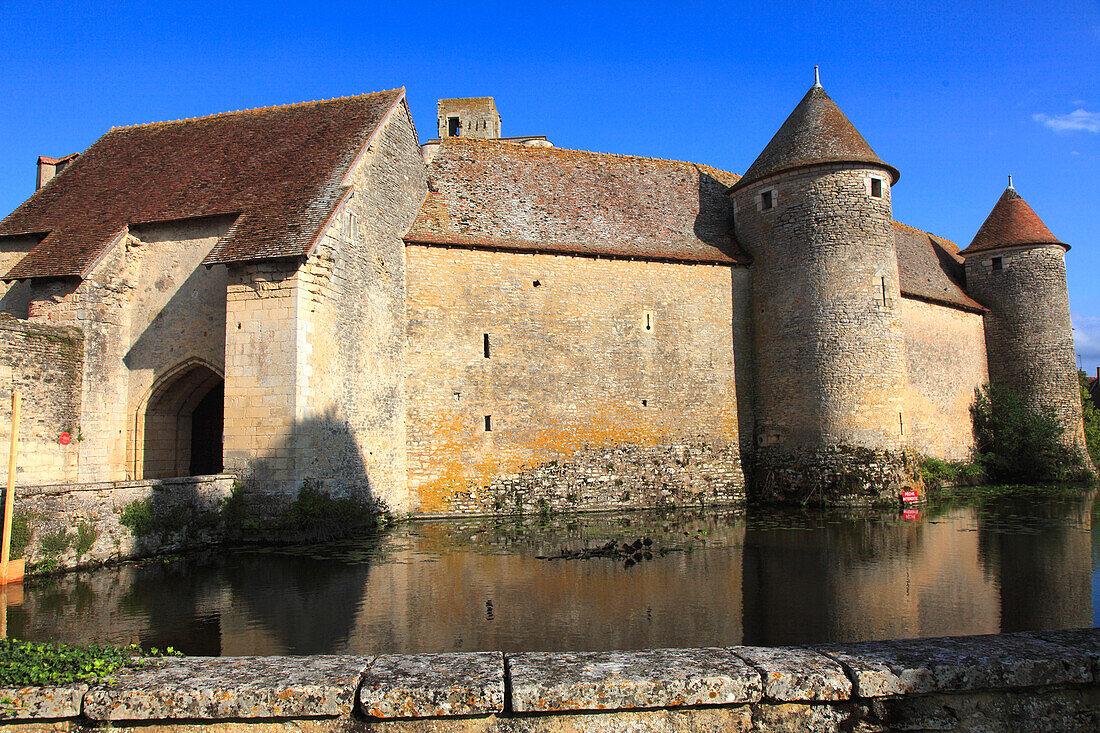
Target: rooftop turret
[(816, 132), (1012, 223)]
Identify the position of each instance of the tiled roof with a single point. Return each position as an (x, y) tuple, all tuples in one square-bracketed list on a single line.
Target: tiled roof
[(54, 161), (485, 193), (815, 132), (1012, 223), (931, 269), (279, 169)]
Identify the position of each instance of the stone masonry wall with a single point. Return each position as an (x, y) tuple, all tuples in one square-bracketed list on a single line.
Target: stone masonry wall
[(45, 364), (1039, 681), (829, 351), (261, 375), (351, 327), (73, 525), (144, 307), (946, 363), (538, 380), (14, 295), (1028, 332)]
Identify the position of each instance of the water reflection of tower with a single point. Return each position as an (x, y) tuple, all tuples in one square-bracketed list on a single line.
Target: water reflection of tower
[(1045, 566)]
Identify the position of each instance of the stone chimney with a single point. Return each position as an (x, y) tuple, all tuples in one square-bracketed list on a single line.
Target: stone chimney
[(50, 167)]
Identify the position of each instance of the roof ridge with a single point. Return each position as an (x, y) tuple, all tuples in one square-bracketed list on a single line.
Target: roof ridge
[(254, 110), (594, 153)]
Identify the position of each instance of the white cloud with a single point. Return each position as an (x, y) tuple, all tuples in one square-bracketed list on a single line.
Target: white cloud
[(1086, 339), (1078, 102), (1076, 120)]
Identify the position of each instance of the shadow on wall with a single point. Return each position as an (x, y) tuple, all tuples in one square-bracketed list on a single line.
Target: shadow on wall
[(320, 452), (714, 222)]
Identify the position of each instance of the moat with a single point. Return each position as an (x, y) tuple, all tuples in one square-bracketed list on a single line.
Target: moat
[(608, 581)]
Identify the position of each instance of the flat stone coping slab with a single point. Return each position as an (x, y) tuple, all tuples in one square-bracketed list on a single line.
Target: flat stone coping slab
[(204, 688), (959, 663), (41, 702), (433, 685), (793, 674), (652, 678)]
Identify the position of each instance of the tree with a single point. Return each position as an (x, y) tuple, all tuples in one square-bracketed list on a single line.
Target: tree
[(1092, 420)]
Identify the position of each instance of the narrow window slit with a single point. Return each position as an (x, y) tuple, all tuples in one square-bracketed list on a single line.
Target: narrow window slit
[(485, 344), (488, 423), (884, 291)]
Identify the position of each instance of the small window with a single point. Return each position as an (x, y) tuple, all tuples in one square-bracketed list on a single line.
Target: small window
[(485, 344), (645, 403), (535, 284), (883, 281), (453, 128), (488, 423), (998, 263), (876, 188), (766, 200)]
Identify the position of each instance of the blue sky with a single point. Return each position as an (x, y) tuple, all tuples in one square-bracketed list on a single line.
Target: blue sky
[(955, 96)]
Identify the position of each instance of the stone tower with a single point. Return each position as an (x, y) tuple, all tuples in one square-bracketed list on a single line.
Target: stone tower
[(468, 117), (814, 212), (1017, 269)]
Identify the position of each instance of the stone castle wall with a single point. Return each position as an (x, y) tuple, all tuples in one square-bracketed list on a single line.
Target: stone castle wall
[(1028, 332), (14, 296), (45, 364), (829, 351), (539, 380), (946, 365), (147, 305), (350, 419)]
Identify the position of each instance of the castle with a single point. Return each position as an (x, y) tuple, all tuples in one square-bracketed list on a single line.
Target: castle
[(486, 324)]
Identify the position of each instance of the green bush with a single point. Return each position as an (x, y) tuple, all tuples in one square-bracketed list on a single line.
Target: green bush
[(138, 517), (25, 663), (20, 534), (1092, 421), (938, 473), (318, 514), (56, 543), (1015, 444), (86, 536)]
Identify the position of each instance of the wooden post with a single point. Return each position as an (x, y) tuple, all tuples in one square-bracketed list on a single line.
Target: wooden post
[(11, 571)]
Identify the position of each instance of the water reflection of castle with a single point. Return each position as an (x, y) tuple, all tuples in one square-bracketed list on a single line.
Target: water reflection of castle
[(725, 581)]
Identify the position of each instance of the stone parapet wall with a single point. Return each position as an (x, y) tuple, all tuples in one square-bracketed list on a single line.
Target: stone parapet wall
[(1033, 681), (72, 525), (45, 363)]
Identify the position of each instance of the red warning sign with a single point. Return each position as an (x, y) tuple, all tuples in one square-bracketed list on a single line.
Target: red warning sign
[(909, 497), (64, 439), (911, 515)]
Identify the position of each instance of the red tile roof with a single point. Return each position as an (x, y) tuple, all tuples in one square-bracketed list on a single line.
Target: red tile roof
[(55, 161), (279, 169), (486, 193), (815, 132), (1012, 223), (931, 269)]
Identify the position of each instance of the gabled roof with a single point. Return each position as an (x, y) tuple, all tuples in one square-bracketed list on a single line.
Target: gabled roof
[(931, 269), (815, 132), (1012, 223), (487, 193), (279, 170)]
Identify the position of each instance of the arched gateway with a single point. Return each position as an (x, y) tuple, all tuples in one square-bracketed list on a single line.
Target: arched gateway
[(179, 427)]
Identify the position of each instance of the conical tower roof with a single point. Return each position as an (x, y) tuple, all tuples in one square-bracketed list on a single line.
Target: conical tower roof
[(816, 132), (1012, 223)]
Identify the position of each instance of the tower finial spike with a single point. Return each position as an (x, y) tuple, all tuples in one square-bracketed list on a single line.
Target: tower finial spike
[(1010, 181), (817, 77)]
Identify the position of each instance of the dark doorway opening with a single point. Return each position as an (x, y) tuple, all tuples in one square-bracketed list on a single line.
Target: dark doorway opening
[(206, 433), (183, 424)]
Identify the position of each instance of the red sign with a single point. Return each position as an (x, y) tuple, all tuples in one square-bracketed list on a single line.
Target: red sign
[(64, 439), (909, 497), (910, 514)]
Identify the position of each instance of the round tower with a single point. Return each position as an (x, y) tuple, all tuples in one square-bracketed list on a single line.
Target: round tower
[(1016, 267), (814, 212)]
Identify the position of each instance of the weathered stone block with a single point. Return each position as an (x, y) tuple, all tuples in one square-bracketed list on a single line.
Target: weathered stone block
[(792, 674), (229, 687), (425, 685), (21, 703), (652, 678)]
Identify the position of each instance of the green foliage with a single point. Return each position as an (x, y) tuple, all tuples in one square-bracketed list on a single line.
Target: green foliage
[(138, 517), (86, 536), (20, 534), (56, 543), (1092, 420), (937, 473), (1015, 444), (25, 663), (319, 514)]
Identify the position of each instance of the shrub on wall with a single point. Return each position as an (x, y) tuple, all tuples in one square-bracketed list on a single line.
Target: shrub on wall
[(1015, 444)]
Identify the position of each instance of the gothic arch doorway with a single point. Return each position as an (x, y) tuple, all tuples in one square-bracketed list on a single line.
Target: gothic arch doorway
[(180, 427)]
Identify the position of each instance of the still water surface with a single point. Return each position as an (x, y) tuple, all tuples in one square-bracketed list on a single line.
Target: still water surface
[(710, 579)]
